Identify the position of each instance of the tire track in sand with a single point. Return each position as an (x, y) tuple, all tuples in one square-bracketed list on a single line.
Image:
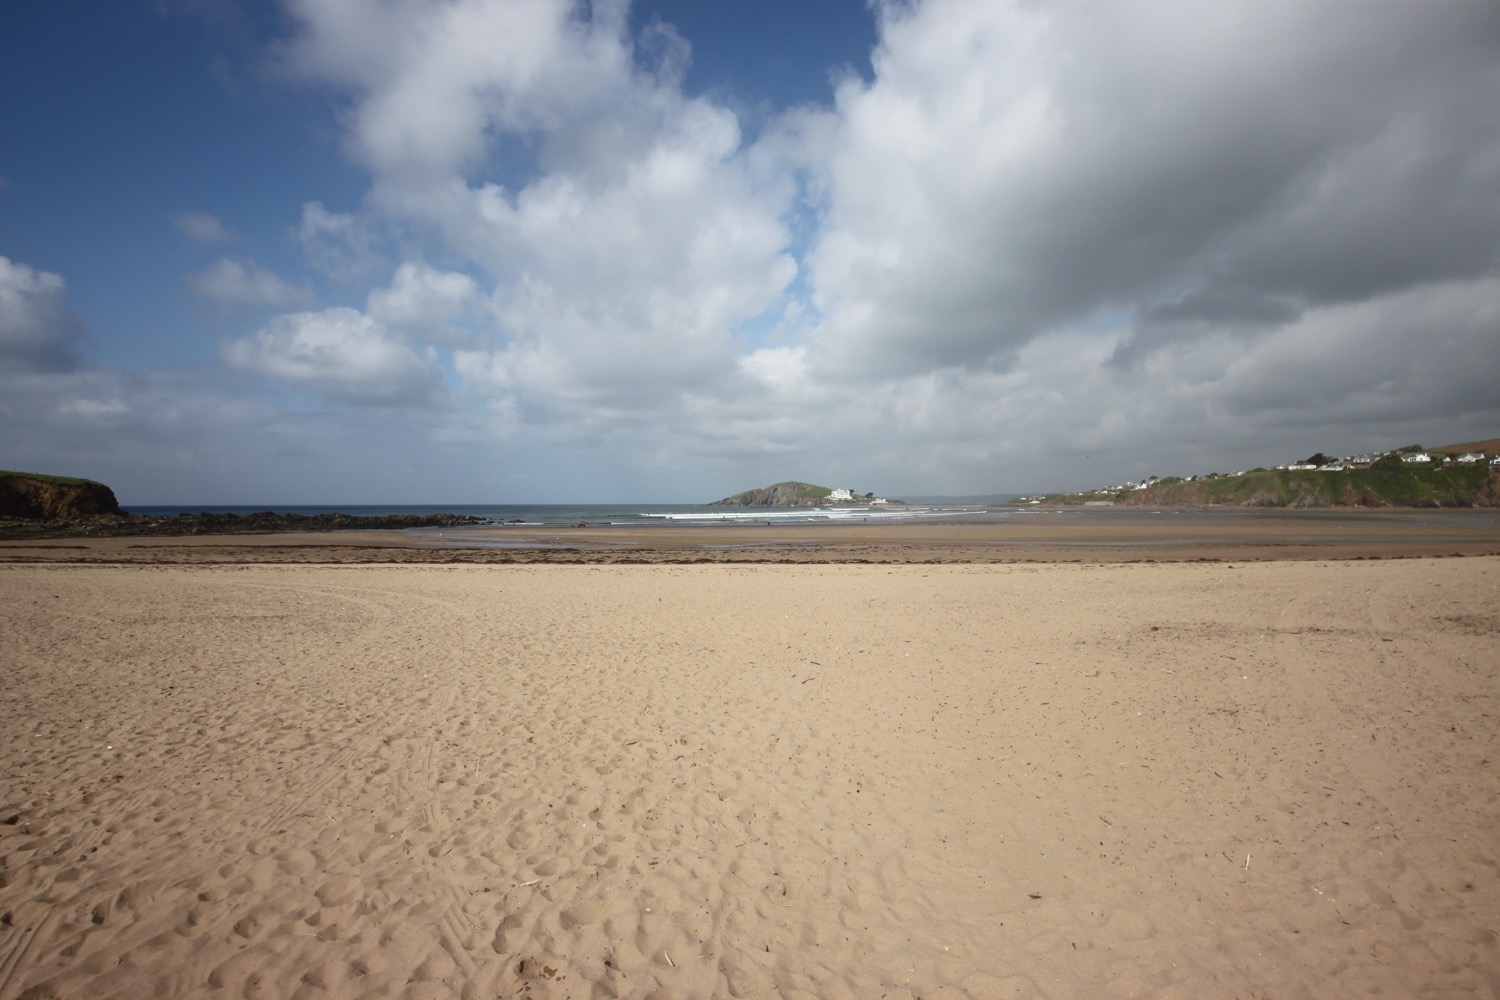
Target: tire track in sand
[(35, 931)]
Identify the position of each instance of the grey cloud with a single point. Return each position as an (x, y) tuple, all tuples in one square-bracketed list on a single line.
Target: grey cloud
[(1423, 352), (1207, 311), (1014, 168)]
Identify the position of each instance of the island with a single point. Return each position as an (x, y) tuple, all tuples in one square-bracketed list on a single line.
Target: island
[(795, 494)]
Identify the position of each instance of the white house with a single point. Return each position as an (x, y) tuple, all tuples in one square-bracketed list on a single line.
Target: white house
[(838, 495), (1416, 456), (1470, 457)]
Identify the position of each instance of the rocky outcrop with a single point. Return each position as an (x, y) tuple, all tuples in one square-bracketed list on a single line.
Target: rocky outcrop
[(35, 506), (51, 498), (790, 494), (269, 521), (127, 525)]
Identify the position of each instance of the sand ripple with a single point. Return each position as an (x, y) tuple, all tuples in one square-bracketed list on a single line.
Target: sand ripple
[(753, 781)]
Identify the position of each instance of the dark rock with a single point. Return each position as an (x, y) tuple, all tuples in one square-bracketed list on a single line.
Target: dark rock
[(262, 522)]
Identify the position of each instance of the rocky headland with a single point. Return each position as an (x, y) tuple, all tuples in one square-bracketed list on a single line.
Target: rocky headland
[(54, 498), (37, 506)]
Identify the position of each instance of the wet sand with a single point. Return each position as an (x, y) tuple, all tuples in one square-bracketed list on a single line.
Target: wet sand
[(1261, 777), (1046, 535)]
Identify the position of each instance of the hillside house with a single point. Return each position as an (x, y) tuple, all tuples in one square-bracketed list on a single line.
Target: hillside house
[(1416, 456)]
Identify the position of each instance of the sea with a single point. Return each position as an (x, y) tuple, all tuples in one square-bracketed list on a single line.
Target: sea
[(628, 515), (1171, 526)]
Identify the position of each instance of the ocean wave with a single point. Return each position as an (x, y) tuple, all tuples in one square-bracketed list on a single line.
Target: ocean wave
[(813, 514)]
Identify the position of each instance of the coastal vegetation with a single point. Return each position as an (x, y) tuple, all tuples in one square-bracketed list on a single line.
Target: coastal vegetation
[(44, 478), (1399, 486), (1462, 475)]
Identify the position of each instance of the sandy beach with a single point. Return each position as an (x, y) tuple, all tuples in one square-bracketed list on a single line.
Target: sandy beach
[(240, 778)]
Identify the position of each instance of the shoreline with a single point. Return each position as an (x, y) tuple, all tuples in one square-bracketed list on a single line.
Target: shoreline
[(1029, 535)]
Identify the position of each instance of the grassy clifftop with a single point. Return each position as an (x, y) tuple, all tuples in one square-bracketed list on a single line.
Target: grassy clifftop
[(57, 480), (1404, 486)]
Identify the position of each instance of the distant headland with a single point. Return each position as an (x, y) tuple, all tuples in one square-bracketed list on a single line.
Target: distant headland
[(1458, 475)]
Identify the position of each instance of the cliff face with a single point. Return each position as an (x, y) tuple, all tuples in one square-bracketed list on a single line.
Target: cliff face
[(47, 498), (790, 494)]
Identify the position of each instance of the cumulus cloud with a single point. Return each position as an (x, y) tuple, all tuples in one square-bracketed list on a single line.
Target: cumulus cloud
[(246, 283), (427, 300), (780, 369), (37, 330), (200, 227), (620, 265), (1040, 240), (434, 83), (342, 354), (1012, 168)]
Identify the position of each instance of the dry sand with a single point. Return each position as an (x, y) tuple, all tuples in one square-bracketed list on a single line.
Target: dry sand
[(1274, 779)]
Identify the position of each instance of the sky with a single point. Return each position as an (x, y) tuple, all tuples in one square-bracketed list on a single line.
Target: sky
[(525, 251)]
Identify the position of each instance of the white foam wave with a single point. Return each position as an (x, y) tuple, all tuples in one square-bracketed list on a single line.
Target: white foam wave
[(816, 514)]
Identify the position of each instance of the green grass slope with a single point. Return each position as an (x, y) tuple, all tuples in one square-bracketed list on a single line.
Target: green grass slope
[(1404, 486), (59, 480)]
